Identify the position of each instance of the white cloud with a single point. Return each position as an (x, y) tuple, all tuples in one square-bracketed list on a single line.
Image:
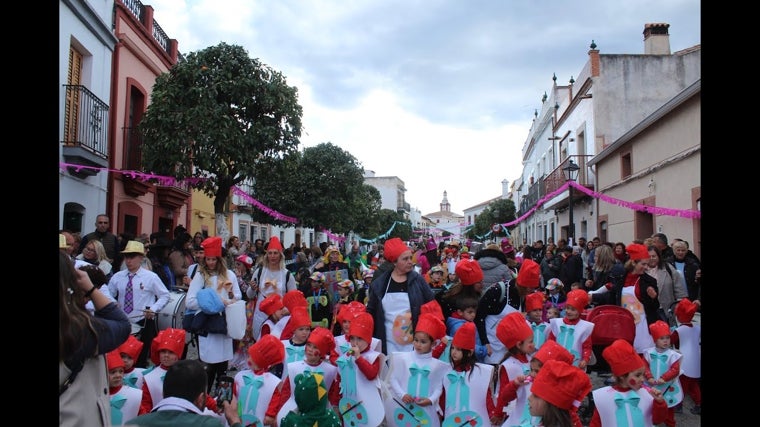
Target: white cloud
[(440, 93)]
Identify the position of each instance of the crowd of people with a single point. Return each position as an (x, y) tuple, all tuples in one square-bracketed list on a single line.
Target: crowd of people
[(440, 334)]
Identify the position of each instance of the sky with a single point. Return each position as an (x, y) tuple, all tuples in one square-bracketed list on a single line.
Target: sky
[(440, 93)]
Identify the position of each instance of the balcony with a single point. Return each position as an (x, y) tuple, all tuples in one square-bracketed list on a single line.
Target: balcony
[(172, 196), (557, 179), (403, 207), (535, 193), (85, 133)]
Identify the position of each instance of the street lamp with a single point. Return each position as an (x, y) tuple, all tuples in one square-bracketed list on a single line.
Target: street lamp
[(571, 173)]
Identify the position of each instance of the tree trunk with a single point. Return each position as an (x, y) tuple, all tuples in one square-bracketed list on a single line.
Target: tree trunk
[(221, 227)]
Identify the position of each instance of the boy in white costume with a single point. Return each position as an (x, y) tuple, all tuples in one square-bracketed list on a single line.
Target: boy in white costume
[(256, 389), (358, 372), (125, 400), (319, 345)]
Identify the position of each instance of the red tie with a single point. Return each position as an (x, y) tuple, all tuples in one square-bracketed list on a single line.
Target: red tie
[(128, 295)]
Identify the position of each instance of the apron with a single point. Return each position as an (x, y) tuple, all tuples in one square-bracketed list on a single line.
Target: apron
[(643, 340), (398, 321), (281, 278), (497, 347)]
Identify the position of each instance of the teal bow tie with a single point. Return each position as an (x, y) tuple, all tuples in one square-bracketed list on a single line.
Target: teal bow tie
[(458, 382), (419, 375), (631, 399), (117, 402)]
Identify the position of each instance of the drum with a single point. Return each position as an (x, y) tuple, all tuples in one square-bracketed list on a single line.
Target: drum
[(173, 312)]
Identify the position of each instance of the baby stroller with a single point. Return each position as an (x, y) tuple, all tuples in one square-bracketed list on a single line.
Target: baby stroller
[(611, 322)]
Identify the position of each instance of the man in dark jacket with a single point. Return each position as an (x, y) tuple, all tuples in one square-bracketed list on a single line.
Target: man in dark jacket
[(572, 267), (109, 240)]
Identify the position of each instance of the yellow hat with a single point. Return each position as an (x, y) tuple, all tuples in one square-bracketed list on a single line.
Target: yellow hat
[(134, 247), (62, 242)]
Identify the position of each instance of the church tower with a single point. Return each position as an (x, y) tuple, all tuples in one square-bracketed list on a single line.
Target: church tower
[(445, 206)]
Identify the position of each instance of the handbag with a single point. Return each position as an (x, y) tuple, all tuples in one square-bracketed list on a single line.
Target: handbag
[(187, 321), (204, 324), (236, 319)]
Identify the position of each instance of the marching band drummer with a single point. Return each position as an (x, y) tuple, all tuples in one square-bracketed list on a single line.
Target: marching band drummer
[(141, 294)]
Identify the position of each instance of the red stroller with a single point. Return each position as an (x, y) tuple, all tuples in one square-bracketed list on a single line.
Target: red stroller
[(611, 322)]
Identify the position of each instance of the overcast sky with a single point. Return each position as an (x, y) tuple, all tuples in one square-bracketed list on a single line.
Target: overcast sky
[(440, 93)]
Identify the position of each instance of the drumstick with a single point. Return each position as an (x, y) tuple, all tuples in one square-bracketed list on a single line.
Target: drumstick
[(407, 410), (350, 408)]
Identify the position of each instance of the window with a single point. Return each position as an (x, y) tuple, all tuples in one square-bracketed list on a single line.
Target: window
[(626, 165), (71, 113)]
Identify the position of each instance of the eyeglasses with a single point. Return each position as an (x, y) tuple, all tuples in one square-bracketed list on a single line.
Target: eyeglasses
[(89, 249)]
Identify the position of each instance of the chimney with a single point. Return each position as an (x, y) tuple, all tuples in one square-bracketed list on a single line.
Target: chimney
[(656, 39)]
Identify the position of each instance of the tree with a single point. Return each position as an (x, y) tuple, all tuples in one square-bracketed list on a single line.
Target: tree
[(497, 212), (323, 186), (218, 114), (403, 228)]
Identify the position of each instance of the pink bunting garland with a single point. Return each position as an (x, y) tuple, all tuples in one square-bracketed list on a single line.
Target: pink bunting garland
[(170, 181), (683, 213)]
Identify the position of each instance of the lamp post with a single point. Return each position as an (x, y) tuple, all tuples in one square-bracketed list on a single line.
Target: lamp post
[(571, 173)]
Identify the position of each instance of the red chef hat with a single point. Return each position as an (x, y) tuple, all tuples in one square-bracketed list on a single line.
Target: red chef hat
[(637, 251), (362, 326), (114, 360), (622, 358), (659, 329), (529, 274), (561, 384), (323, 339), (685, 310), (274, 244), (551, 350), (534, 301), (512, 329), (434, 308), (212, 246), (469, 272), (171, 339), (393, 248), (267, 351), (578, 299), (431, 325), (132, 347), (271, 304), (464, 337), (293, 299)]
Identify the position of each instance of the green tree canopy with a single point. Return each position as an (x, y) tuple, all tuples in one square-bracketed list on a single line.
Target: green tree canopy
[(497, 212), (323, 186), (219, 114)]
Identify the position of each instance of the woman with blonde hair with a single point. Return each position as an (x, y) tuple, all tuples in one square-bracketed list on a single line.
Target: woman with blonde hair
[(95, 253), (214, 349), (268, 278)]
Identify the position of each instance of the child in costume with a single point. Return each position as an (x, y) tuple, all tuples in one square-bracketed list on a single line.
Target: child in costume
[(640, 407), (165, 350), (443, 345), (125, 401), (319, 345), (358, 371), (292, 299), (467, 385), (557, 390), (552, 313), (556, 296), (311, 401), (295, 347), (571, 331), (466, 309), (534, 309), (344, 297), (663, 368), (416, 378), (130, 351), (320, 301), (687, 338), (275, 310), (343, 341), (257, 390), (517, 336)]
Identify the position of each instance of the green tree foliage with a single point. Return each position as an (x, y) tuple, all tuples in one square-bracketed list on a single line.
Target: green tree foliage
[(323, 186), (219, 114), (387, 218), (497, 212)]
